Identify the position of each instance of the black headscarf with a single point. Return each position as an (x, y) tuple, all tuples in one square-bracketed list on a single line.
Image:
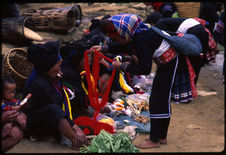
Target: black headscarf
[(44, 56)]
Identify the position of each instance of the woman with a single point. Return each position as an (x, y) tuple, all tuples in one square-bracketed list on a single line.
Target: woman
[(129, 29), (71, 68), (48, 111), (192, 26)]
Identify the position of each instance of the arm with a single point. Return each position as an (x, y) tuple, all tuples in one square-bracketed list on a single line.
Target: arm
[(144, 54), (114, 48)]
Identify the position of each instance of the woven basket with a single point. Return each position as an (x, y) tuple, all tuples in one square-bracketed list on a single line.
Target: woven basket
[(188, 9), (15, 65), (56, 19)]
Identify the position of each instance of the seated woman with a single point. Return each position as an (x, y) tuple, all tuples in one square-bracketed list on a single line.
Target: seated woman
[(71, 68), (74, 78), (48, 111)]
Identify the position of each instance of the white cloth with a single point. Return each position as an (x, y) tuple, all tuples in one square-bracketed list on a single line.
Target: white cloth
[(185, 25), (162, 48)]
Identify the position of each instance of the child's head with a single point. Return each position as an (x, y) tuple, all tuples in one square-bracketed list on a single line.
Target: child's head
[(8, 88)]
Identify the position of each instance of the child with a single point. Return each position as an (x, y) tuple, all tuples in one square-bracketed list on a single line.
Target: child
[(14, 122)]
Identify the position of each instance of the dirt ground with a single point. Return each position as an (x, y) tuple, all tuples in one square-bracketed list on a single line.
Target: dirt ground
[(195, 127)]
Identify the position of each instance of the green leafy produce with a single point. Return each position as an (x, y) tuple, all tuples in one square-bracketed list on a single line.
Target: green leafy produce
[(108, 143)]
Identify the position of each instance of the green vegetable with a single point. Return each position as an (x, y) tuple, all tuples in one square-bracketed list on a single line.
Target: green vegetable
[(108, 143)]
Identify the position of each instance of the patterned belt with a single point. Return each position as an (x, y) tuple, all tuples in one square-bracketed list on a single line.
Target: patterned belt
[(168, 55)]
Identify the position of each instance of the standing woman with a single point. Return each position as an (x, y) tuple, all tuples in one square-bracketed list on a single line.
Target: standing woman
[(128, 29), (48, 110)]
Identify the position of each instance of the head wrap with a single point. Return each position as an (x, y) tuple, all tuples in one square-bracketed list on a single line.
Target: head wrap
[(127, 25), (44, 56)]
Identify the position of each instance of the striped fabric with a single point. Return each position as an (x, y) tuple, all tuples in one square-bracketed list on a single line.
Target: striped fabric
[(166, 56), (127, 25), (184, 89), (66, 105)]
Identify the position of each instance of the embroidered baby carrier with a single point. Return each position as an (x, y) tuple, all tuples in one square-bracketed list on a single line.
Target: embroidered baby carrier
[(187, 44)]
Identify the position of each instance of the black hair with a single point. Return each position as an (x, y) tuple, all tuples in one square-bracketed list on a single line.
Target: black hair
[(96, 22), (107, 26), (43, 56), (7, 80), (75, 54)]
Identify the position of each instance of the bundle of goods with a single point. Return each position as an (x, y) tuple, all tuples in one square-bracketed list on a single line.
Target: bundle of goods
[(188, 9), (14, 31), (56, 19), (138, 102), (142, 119), (108, 143), (143, 82), (15, 64), (119, 105)]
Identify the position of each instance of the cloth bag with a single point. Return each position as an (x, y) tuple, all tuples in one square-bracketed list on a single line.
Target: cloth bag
[(187, 44)]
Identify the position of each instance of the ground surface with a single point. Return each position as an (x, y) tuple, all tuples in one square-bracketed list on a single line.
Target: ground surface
[(194, 127)]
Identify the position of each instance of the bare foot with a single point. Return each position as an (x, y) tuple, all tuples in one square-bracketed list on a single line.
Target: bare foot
[(163, 141), (147, 144)]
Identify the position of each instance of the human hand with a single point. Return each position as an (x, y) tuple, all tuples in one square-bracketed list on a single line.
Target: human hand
[(17, 108), (117, 65), (9, 116), (81, 137), (128, 58), (22, 119), (6, 129), (135, 59), (95, 48)]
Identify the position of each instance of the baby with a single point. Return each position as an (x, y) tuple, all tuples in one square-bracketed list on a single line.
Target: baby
[(13, 121)]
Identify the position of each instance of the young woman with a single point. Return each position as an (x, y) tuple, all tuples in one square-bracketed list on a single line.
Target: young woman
[(129, 30), (71, 68), (48, 111)]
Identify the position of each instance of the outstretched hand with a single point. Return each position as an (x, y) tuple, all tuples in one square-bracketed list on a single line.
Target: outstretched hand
[(81, 137), (9, 116), (95, 48)]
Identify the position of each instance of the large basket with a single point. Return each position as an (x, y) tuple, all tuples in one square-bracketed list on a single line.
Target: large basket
[(15, 65), (56, 19), (188, 9)]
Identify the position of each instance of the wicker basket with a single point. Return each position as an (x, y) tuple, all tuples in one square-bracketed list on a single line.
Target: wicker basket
[(56, 19), (15, 65), (188, 9)]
